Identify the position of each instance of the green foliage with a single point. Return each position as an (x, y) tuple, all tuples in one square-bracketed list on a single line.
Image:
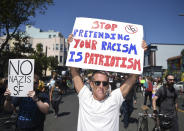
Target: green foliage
[(13, 14), (42, 62), (52, 62)]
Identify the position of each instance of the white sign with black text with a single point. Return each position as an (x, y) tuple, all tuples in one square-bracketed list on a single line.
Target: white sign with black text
[(20, 76)]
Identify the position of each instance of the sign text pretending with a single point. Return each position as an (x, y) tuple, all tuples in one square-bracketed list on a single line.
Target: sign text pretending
[(106, 45)]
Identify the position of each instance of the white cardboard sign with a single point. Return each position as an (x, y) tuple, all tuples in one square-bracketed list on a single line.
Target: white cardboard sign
[(20, 76), (106, 45)]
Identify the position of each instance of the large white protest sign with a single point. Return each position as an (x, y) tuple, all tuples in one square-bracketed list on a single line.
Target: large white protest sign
[(106, 45), (20, 76)]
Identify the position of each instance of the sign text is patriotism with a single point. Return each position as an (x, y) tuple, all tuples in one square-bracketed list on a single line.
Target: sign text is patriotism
[(106, 45)]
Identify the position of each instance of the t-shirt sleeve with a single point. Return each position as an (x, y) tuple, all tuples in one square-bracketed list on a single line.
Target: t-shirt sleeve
[(117, 96), (84, 93)]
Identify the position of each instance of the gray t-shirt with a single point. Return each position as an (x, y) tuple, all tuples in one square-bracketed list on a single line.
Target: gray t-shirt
[(167, 105)]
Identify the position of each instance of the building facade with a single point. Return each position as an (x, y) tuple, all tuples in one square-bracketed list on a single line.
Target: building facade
[(176, 66), (54, 43), (155, 58)]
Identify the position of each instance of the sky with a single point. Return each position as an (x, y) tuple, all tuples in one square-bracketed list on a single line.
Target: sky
[(160, 18)]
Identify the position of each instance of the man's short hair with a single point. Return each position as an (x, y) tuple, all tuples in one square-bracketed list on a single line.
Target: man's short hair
[(100, 72), (168, 75)]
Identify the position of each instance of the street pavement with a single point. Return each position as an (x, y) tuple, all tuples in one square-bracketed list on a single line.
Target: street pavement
[(68, 113)]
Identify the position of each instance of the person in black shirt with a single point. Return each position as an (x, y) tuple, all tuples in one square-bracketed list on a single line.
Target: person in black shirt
[(166, 95), (55, 97), (127, 106), (32, 109)]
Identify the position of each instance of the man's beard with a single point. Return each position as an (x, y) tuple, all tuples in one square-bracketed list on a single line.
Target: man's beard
[(170, 86)]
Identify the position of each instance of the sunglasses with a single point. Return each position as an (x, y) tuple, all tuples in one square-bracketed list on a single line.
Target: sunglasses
[(170, 79), (98, 83)]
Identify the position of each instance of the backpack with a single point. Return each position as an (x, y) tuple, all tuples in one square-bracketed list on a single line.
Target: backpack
[(163, 96)]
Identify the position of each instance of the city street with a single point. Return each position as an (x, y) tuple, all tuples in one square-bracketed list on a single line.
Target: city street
[(67, 120)]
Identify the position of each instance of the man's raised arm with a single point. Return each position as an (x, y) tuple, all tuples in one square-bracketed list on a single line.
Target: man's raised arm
[(78, 83), (125, 88)]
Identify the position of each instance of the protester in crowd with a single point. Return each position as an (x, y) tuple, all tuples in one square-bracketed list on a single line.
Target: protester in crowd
[(97, 110), (138, 83), (55, 97), (53, 80), (3, 86), (148, 91), (127, 106), (143, 85), (156, 86), (69, 82), (63, 85), (166, 97), (32, 109)]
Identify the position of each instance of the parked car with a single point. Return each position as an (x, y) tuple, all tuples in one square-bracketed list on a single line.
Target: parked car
[(179, 86)]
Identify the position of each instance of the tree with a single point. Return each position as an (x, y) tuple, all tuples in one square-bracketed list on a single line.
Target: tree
[(13, 14), (42, 62), (53, 63)]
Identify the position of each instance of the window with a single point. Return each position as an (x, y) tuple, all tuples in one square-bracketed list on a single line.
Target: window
[(61, 59), (57, 46), (54, 35), (49, 36), (61, 47)]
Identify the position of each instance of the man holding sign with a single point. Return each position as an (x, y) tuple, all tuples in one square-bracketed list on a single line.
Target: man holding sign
[(33, 104), (97, 110)]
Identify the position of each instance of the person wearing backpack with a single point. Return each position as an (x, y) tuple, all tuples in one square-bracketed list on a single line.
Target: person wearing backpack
[(165, 100), (148, 91)]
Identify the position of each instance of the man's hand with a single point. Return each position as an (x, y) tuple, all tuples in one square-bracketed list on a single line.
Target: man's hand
[(32, 95), (7, 94), (135, 102), (70, 38), (8, 106), (144, 45)]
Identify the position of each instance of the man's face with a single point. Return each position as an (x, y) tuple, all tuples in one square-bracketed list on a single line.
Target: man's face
[(170, 80), (100, 86)]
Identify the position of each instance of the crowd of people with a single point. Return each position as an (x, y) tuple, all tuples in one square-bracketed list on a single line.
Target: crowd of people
[(103, 97)]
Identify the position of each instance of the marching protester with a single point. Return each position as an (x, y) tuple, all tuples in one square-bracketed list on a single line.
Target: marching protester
[(55, 97), (3, 86), (165, 98), (52, 80), (127, 106), (97, 110), (148, 91), (143, 85), (32, 109)]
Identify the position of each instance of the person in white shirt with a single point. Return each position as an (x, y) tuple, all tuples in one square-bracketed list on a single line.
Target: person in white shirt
[(98, 110)]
